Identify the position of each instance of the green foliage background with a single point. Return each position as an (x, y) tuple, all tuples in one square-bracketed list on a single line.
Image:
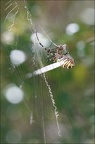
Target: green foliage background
[(73, 89)]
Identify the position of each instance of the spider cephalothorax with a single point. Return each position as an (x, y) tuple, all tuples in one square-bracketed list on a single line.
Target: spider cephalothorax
[(55, 54)]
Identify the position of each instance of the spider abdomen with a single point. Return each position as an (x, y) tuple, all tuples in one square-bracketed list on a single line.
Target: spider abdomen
[(68, 62)]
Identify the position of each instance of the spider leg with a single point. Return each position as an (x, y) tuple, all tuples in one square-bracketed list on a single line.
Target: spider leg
[(48, 50), (52, 55), (39, 41)]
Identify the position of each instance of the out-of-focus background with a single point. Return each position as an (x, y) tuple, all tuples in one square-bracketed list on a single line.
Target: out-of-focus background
[(27, 112)]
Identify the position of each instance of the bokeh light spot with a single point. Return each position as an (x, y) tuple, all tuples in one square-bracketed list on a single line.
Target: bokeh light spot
[(7, 37), (72, 28), (80, 48), (14, 94), (17, 57), (87, 16)]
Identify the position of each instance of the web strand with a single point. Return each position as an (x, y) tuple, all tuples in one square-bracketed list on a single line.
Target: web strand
[(18, 72)]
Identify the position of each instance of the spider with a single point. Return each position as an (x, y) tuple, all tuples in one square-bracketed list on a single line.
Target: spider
[(58, 54)]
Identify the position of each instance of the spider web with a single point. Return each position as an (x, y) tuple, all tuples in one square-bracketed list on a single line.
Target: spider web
[(36, 105)]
